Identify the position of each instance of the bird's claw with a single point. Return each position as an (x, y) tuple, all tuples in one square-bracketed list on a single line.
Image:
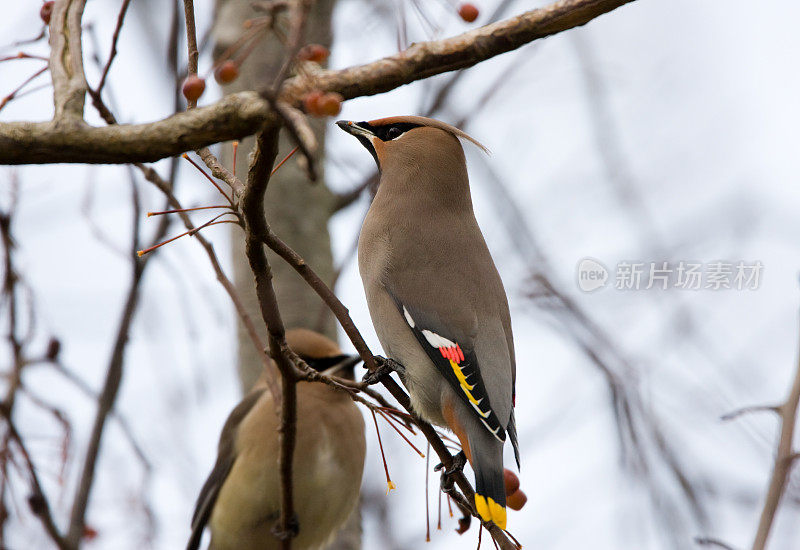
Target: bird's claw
[(384, 368), (459, 461)]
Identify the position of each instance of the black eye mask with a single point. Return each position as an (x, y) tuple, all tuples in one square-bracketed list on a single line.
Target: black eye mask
[(388, 132)]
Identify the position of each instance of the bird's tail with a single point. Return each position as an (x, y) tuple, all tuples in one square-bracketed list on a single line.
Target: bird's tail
[(490, 493)]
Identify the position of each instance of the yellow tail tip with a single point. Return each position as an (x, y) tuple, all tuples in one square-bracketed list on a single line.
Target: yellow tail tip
[(489, 510)]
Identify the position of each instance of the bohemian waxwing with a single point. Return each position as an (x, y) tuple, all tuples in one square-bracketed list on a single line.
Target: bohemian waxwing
[(240, 501), (434, 294)]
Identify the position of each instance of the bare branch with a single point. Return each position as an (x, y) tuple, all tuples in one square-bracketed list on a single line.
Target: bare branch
[(706, 541), (37, 501), (66, 61), (253, 212), (426, 59), (299, 15), (152, 176), (105, 405), (301, 132), (191, 43), (220, 172), (239, 115), (108, 395), (747, 410), (234, 117), (783, 463), (114, 39)]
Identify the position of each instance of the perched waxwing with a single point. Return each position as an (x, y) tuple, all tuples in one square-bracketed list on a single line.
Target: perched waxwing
[(240, 501), (434, 294)]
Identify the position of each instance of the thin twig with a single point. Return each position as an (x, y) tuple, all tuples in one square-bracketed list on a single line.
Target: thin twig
[(299, 17), (707, 541), (784, 459), (114, 371), (191, 42), (15, 93), (209, 178), (301, 133), (247, 321), (114, 39), (747, 410), (105, 404), (220, 172), (37, 501)]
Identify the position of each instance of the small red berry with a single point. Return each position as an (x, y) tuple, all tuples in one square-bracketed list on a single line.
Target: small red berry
[(517, 500), (227, 72), (314, 52), (511, 482), (468, 12), (331, 104), (46, 11), (311, 102), (89, 533), (193, 87)]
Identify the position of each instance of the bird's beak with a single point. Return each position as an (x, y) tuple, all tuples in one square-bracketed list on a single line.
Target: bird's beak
[(354, 129), (347, 362)]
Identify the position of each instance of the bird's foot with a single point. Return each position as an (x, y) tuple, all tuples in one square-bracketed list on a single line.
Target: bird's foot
[(291, 530), (384, 368), (447, 483)]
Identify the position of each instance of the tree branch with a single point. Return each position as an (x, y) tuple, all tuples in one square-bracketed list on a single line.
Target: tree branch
[(425, 59), (191, 43), (243, 114), (66, 61), (234, 117), (105, 404), (253, 212), (37, 501), (783, 463), (114, 39)]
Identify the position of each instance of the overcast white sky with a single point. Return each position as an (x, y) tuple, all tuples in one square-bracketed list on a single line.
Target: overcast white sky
[(697, 103)]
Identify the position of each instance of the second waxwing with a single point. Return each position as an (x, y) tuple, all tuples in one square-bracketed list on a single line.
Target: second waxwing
[(240, 501), (435, 296)]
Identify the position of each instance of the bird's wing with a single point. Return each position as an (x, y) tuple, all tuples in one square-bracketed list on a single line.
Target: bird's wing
[(453, 354), (226, 456)]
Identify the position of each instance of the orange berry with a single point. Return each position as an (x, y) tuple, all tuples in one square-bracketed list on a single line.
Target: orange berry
[(517, 500), (227, 72), (193, 87), (46, 11), (468, 12), (314, 52), (331, 104), (311, 102), (511, 481), (89, 533)]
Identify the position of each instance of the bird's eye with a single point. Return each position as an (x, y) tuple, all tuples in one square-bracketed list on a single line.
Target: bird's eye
[(394, 132)]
